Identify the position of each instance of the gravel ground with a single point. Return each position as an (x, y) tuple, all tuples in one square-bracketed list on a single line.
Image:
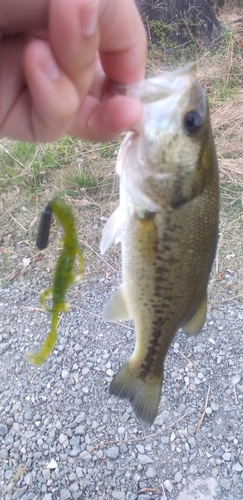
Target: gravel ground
[(63, 437)]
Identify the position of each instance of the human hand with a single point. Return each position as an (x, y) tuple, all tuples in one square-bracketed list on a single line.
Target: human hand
[(56, 58)]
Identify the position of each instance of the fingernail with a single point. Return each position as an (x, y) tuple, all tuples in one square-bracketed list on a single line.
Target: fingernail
[(88, 18), (49, 65)]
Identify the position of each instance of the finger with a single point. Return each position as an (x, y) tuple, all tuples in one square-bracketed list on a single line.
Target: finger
[(43, 110), (74, 39), (123, 43), (55, 98), (104, 121), (17, 16)]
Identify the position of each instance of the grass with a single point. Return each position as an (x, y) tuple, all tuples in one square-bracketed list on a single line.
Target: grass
[(83, 173)]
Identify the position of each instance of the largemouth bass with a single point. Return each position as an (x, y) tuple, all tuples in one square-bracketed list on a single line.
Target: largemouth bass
[(167, 223)]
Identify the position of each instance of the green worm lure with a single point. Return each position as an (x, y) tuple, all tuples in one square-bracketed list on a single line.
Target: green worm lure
[(64, 271)]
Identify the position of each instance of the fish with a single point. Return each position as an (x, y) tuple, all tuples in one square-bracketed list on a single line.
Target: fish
[(167, 224)]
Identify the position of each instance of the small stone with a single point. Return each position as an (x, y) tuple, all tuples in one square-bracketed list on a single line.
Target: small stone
[(193, 469), (144, 459), (133, 496), (52, 465), (4, 347), (80, 430), (119, 495), (208, 411), (121, 431), (4, 454), (8, 441), (214, 406), (62, 438), (215, 472), (3, 430), (74, 440), (47, 496), (19, 493), (112, 452), (28, 479), (226, 456), (235, 380), (225, 483), (110, 372), (218, 453), (150, 472), (237, 467), (192, 442), (178, 477), (160, 419), (109, 465), (75, 451), (85, 455), (74, 487), (65, 494), (168, 485), (46, 473), (65, 375), (29, 415), (140, 448), (172, 437), (164, 439), (79, 472)]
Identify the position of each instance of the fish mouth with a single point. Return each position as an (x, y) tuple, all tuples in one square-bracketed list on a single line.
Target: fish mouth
[(158, 87)]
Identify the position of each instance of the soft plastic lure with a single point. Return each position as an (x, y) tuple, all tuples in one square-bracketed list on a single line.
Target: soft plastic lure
[(64, 272)]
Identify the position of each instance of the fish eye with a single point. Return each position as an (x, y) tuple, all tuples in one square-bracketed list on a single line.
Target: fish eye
[(192, 121)]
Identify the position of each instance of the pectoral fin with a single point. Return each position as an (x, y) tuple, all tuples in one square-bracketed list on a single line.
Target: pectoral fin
[(112, 231), (195, 325), (116, 308)]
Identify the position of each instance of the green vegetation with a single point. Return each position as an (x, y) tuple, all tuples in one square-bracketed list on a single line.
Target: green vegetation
[(83, 173)]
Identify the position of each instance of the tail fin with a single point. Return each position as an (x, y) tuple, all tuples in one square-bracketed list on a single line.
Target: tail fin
[(144, 395)]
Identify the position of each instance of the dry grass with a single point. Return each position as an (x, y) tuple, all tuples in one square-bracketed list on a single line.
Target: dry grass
[(83, 175)]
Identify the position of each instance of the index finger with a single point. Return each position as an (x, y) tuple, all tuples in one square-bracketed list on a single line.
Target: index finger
[(123, 41), (119, 38)]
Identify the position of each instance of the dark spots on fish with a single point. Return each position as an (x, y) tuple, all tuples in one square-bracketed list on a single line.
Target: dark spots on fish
[(178, 202), (168, 238), (167, 248), (152, 352), (162, 327), (157, 310), (168, 298), (179, 198)]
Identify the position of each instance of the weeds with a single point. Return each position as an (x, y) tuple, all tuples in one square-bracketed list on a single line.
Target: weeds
[(83, 172)]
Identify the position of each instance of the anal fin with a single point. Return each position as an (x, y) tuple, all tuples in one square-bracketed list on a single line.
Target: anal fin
[(195, 324), (116, 308)]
